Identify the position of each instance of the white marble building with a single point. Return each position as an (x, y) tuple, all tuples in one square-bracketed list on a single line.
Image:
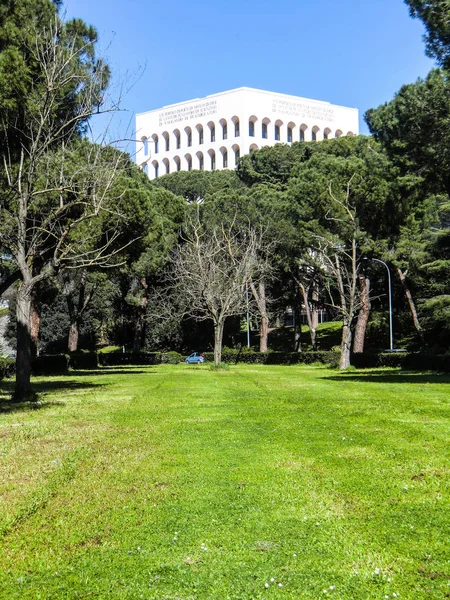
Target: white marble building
[(213, 132)]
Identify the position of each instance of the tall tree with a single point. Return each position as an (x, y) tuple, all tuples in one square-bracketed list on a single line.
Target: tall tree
[(435, 15), (55, 190)]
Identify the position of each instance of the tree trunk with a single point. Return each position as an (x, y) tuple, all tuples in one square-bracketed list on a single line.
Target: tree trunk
[(312, 321), (412, 306), (346, 345), (297, 329), (218, 335), (140, 323), (314, 311), (35, 322), (22, 390), (74, 334), (263, 333), (363, 315), (260, 298), (264, 328)]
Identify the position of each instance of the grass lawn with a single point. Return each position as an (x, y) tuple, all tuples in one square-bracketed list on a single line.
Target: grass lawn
[(260, 482)]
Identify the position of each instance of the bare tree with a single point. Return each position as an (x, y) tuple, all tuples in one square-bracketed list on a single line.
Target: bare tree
[(341, 262), (210, 271), (57, 211), (263, 273), (306, 278)]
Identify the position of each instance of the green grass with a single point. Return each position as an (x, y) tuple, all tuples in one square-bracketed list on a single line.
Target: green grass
[(182, 483)]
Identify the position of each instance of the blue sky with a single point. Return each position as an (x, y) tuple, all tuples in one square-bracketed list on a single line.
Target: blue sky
[(356, 53)]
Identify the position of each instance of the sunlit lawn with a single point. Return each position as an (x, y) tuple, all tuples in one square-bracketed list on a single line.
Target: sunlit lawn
[(178, 482)]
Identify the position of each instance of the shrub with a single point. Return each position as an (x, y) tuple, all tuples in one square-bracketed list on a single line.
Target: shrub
[(171, 358), (7, 367)]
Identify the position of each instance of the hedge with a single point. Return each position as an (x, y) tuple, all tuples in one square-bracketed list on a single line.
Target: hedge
[(277, 358), (403, 360), (115, 359), (52, 364), (83, 360)]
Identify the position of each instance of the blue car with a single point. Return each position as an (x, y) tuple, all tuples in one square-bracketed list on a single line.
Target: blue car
[(195, 359)]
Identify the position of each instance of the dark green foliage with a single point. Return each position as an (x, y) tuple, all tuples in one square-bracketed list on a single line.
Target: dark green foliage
[(7, 367), (171, 358), (414, 129), (435, 15), (194, 186)]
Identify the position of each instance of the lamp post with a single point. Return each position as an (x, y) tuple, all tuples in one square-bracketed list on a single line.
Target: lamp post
[(391, 330)]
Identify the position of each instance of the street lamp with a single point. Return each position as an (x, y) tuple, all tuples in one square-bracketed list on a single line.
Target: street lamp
[(391, 330)]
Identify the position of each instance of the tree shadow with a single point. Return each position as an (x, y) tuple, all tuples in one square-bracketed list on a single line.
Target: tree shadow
[(104, 371), (41, 388), (392, 377)]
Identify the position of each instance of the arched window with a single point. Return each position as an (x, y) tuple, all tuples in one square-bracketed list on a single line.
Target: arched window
[(188, 131), (251, 128), (156, 167), (289, 135), (188, 158), (303, 129), (314, 132), (156, 143), (277, 130), (177, 135), (264, 131), (252, 148), (237, 126), (201, 164), (177, 162), (212, 155), (145, 142), (224, 129), (326, 133), (350, 133), (166, 139), (167, 165), (237, 153), (338, 133), (225, 159), (212, 129), (200, 134)]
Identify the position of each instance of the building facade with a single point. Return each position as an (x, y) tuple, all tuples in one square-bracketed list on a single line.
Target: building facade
[(213, 132)]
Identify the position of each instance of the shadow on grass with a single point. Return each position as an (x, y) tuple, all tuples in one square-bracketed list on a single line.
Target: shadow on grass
[(41, 388), (388, 377), (106, 371)]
